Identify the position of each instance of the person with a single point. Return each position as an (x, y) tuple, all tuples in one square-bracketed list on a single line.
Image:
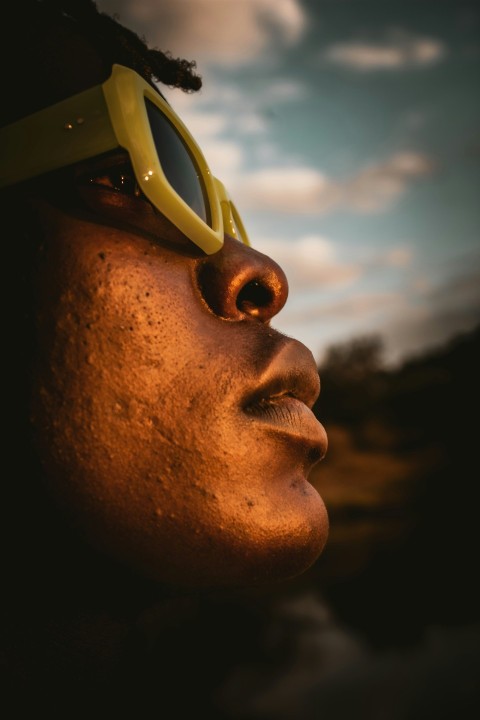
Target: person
[(160, 431)]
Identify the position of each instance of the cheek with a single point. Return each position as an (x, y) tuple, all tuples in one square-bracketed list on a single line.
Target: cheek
[(107, 388)]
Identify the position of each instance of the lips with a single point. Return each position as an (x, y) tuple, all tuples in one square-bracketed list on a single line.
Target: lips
[(282, 400)]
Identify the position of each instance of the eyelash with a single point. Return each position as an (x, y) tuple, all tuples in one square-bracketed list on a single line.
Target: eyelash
[(119, 178)]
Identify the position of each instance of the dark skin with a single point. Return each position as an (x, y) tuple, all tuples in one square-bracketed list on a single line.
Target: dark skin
[(171, 420), (147, 442), (171, 432)]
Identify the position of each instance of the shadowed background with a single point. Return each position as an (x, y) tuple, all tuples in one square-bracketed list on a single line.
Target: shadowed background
[(347, 131)]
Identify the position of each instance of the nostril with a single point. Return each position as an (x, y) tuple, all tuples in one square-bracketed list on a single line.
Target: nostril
[(239, 282), (253, 298)]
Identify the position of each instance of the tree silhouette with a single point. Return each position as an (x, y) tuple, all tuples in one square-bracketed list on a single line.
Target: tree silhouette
[(353, 380)]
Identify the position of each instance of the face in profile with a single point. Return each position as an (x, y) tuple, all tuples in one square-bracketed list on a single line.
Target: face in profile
[(172, 421)]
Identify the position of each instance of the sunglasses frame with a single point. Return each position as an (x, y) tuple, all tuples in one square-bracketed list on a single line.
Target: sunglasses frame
[(101, 119)]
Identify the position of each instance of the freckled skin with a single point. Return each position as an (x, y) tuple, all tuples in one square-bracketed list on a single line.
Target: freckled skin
[(144, 357)]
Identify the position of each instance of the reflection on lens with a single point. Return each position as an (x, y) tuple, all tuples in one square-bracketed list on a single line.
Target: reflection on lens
[(238, 233), (238, 225), (177, 163)]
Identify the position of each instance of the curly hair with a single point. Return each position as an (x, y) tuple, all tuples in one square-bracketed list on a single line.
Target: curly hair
[(115, 40), (36, 32)]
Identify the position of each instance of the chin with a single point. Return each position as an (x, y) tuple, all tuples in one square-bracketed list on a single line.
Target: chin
[(287, 549), (269, 549)]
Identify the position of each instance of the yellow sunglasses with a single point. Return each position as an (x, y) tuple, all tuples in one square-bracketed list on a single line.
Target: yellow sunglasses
[(125, 111)]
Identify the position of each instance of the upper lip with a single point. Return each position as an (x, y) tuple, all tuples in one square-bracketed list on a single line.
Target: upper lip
[(291, 372)]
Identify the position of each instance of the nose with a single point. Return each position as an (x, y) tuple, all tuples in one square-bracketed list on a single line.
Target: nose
[(239, 282)]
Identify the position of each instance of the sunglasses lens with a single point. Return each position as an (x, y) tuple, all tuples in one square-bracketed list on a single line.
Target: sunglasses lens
[(177, 163)]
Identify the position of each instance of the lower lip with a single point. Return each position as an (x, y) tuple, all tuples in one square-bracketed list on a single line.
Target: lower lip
[(293, 418)]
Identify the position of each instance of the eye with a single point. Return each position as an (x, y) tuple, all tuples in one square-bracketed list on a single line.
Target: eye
[(120, 178)]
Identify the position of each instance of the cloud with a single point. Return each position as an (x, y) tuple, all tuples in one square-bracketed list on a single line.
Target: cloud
[(206, 124), (284, 90), (222, 108), (217, 31), (301, 189), (409, 322), (238, 98), (296, 187), (309, 262), (286, 189), (329, 320), (400, 50), (440, 311), (352, 308), (375, 188), (252, 124), (460, 291), (399, 257), (225, 158)]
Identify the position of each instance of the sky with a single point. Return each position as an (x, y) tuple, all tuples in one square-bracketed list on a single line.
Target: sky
[(348, 134)]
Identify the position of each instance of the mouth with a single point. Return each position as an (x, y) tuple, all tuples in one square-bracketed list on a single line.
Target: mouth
[(284, 397)]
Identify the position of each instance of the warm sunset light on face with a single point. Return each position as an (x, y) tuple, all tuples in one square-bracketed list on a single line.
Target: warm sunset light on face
[(174, 424)]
